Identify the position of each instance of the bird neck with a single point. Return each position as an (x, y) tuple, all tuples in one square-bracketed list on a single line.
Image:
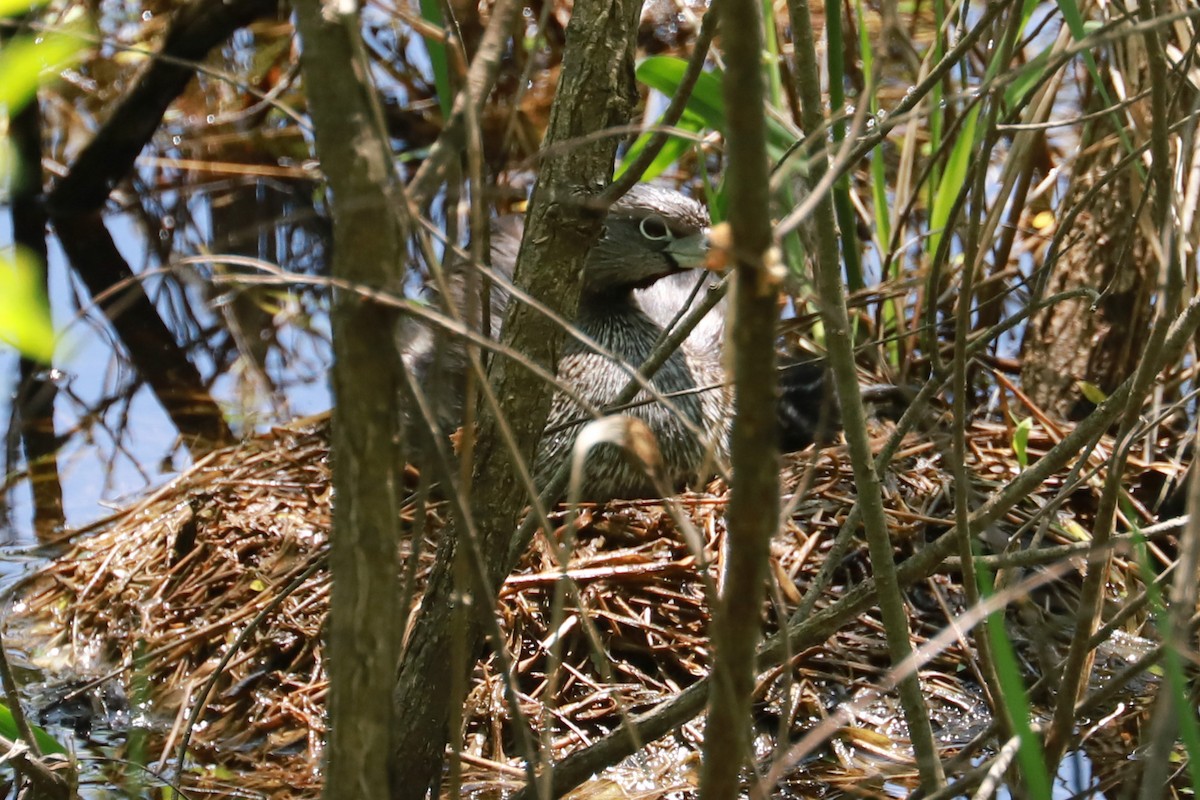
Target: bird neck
[(615, 321), (606, 300)]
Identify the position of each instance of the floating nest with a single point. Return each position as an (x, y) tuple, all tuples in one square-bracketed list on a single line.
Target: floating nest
[(206, 601)]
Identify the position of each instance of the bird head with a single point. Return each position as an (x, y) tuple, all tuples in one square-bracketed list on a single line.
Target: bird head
[(649, 233)]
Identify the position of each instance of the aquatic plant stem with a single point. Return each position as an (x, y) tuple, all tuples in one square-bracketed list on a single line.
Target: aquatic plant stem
[(832, 300), (754, 495)]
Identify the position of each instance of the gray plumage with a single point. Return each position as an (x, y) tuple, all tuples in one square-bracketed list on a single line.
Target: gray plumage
[(635, 281)]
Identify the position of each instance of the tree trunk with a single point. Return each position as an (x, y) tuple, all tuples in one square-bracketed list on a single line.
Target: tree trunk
[(596, 91), (368, 250), (1107, 251)]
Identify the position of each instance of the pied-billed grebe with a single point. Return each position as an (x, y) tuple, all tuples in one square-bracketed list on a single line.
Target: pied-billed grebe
[(636, 281)]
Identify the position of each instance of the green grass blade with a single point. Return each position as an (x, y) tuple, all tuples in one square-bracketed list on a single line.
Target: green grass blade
[(953, 179), (671, 151), (431, 12), (45, 742), (1079, 30), (843, 207), (1030, 756)]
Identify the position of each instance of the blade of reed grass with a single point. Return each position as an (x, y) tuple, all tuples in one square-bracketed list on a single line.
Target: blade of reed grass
[(431, 12), (1030, 757), (843, 208), (1176, 681)]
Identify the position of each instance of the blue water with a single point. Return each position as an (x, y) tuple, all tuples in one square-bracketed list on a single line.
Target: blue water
[(121, 442)]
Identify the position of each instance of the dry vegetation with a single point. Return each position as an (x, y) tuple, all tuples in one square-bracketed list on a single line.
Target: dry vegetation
[(206, 589), (1063, 261)]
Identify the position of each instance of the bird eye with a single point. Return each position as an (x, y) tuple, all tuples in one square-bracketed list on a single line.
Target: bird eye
[(655, 229)]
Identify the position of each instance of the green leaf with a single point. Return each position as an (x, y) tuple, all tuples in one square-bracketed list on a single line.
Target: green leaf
[(665, 73), (707, 104), (953, 179), (23, 62), (1075, 531), (1092, 392), (431, 11), (671, 151), (24, 313), (45, 742), (1020, 441), (10, 8)]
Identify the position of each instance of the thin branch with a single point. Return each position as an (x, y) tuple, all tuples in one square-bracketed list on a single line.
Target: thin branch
[(832, 299), (195, 29), (481, 77), (754, 496)]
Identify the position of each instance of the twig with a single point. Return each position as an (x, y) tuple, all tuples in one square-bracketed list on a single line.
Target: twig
[(670, 117), (481, 77), (195, 29)]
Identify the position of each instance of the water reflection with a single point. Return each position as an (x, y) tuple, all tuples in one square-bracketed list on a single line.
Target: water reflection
[(261, 352)]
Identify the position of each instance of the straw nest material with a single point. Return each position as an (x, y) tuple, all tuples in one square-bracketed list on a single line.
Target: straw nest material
[(162, 591)]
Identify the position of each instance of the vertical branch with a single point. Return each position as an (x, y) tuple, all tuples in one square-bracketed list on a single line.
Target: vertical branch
[(595, 92), (832, 298), (754, 499), (364, 641)]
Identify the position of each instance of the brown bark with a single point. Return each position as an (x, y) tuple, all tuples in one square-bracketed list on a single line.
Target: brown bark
[(1069, 342), (595, 92), (754, 496), (368, 250)]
